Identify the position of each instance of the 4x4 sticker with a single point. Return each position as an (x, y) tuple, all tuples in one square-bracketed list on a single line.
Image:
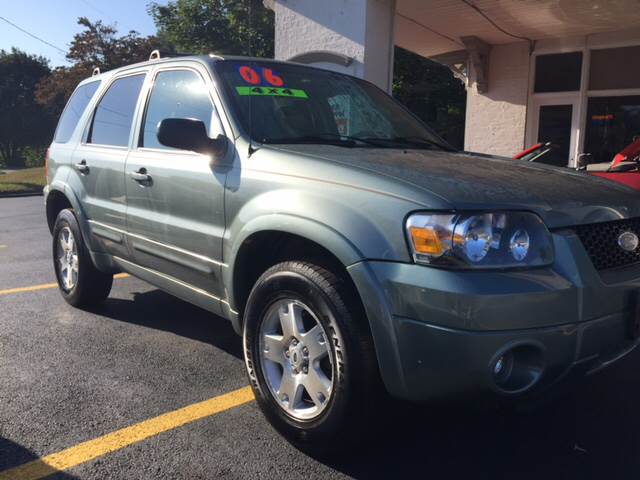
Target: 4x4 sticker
[(272, 92)]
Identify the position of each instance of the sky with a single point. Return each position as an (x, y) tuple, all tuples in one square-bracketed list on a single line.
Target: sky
[(55, 21)]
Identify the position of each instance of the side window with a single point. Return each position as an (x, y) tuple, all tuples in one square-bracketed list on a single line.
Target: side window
[(114, 114), (178, 94), (74, 110)]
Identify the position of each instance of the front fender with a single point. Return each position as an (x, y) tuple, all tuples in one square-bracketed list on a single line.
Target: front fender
[(337, 243)]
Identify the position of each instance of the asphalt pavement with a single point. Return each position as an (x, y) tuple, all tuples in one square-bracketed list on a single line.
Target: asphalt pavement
[(69, 376)]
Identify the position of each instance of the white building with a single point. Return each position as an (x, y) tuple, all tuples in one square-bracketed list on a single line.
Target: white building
[(566, 71)]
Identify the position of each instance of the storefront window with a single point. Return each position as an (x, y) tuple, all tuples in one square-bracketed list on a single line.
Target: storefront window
[(615, 68), (612, 124), (559, 72)]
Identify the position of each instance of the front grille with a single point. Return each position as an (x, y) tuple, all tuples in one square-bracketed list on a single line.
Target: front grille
[(600, 240)]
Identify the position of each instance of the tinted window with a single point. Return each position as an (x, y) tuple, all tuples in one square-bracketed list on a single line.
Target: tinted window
[(559, 72), (612, 124), (114, 114), (177, 94), (555, 127), (615, 68), (74, 110)]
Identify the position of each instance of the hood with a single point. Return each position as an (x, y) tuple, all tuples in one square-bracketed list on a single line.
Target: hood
[(563, 197)]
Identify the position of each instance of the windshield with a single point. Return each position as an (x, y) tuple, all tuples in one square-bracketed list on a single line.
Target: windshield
[(280, 103)]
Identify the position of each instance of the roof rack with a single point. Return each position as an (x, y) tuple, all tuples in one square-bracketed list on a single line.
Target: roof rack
[(96, 71), (158, 54)]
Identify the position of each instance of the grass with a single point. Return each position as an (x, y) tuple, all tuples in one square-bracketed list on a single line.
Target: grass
[(23, 181)]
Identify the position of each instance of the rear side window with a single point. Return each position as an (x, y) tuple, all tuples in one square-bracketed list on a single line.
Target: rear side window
[(74, 110), (177, 94), (114, 114)]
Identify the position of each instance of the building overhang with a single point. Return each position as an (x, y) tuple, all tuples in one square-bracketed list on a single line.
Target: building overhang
[(434, 27)]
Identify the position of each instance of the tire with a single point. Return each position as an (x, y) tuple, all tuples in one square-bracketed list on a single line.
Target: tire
[(332, 422), (88, 286)]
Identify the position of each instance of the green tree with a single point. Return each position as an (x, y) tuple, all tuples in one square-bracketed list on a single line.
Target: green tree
[(98, 45), (233, 27), (23, 122), (431, 92)]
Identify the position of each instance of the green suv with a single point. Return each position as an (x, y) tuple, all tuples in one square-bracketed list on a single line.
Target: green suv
[(351, 247)]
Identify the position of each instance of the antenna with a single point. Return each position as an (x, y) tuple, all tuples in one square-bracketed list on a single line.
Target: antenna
[(251, 149)]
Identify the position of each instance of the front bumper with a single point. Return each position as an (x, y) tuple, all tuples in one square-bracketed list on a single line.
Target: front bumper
[(439, 333)]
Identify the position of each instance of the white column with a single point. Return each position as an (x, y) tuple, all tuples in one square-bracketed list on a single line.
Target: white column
[(496, 119), (361, 30)]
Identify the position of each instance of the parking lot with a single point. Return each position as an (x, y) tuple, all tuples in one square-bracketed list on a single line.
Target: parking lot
[(68, 377)]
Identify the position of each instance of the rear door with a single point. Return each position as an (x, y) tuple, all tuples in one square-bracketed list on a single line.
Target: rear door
[(99, 161), (175, 215)]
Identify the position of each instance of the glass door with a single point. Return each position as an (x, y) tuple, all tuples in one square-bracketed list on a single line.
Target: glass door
[(613, 123), (555, 121)]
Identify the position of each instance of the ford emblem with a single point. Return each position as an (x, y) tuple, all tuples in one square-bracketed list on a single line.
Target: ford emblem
[(628, 241)]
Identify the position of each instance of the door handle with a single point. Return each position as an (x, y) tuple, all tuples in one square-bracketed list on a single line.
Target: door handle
[(141, 176), (82, 167)]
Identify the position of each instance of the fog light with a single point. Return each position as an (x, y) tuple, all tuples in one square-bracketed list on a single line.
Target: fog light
[(518, 368)]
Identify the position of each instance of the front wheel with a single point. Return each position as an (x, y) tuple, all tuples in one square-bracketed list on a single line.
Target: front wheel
[(309, 356), (81, 283)]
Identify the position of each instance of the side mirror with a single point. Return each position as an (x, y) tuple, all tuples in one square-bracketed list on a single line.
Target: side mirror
[(190, 134)]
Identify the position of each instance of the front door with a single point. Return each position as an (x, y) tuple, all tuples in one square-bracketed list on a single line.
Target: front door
[(554, 121), (99, 163), (175, 208)]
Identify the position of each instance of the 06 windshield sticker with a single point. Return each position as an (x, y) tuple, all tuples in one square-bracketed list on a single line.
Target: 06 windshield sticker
[(272, 92), (268, 77), (265, 82)]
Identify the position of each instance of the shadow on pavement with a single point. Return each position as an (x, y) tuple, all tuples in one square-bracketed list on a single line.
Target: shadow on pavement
[(594, 433), (159, 310), (13, 455)]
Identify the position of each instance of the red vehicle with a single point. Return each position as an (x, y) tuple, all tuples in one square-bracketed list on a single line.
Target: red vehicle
[(624, 168)]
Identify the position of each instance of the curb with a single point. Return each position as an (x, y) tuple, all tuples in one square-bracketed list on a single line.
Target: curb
[(22, 194)]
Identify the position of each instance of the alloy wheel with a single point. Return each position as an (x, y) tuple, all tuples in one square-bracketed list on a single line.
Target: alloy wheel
[(296, 359), (67, 257)]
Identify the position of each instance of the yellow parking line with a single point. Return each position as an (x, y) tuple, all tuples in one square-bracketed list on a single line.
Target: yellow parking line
[(44, 286), (3, 246), (111, 442)]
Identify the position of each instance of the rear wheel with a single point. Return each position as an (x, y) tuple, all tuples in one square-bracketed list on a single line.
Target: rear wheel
[(81, 283), (310, 356)]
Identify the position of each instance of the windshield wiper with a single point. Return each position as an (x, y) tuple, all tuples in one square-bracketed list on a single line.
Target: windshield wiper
[(313, 139), (325, 139), (350, 141), (413, 141)]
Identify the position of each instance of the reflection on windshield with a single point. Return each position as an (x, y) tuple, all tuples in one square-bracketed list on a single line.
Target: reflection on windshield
[(287, 104)]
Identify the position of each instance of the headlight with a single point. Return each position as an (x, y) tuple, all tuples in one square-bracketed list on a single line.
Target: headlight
[(480, 240)]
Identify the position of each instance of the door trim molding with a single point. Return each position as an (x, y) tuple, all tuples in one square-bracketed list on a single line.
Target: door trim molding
[(177, 282), (160, 244)]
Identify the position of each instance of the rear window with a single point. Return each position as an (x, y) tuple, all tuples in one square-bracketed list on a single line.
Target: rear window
[(74, 110), (114, 114)]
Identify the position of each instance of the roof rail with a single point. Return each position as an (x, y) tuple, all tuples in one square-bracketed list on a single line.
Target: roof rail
[(96, 71), (158, 54)]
